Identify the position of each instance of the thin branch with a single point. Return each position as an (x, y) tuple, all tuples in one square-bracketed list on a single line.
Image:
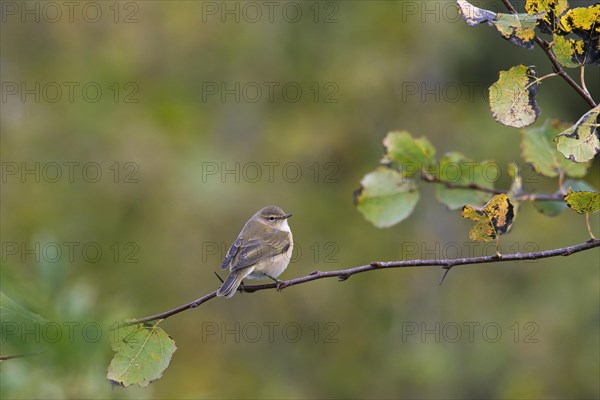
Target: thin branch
[(174, 311), (545, 46), (539, 197), (13, 356), (452, 185), (560, 71), (474, 186), (343, 274)]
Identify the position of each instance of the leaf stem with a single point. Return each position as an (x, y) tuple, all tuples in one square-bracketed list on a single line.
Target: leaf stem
[(538, 80), (561, 182), (589, 228), (498, 254), (582, 79)]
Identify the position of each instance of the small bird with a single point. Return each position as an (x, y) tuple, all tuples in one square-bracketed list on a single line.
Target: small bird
[(262, 250)]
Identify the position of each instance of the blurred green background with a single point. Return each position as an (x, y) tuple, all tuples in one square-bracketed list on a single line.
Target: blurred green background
[(186, 157)]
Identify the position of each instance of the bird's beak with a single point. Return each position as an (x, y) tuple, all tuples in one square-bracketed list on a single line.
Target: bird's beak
[(286, 216)]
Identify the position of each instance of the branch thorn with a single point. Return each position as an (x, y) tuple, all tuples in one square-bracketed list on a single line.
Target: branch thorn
[(447, 269)]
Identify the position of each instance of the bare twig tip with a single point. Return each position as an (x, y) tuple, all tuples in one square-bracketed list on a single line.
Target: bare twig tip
[(218, 277)]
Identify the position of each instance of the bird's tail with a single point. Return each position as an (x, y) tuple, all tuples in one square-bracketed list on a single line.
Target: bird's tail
[(231, 284)]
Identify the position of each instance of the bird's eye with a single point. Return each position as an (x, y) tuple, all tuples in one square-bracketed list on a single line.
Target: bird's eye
[(271, 218)]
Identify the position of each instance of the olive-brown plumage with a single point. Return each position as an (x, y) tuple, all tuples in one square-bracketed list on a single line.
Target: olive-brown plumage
[(262, 249)]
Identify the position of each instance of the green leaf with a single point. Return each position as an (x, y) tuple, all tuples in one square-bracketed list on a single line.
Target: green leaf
[(494, 219), (142, 353), (580, 142), (517, 28), (512, 97), (11, 311), (454, 168), (406, 154), (20, 328), (538, 149), (583, 202), (550, 208), (554, 208), (386, 197)]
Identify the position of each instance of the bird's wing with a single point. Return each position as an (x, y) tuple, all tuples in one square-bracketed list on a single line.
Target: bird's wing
[(255, 250), (233, 250)]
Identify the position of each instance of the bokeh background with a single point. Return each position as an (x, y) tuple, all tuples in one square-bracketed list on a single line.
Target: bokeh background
[(177, 145)]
